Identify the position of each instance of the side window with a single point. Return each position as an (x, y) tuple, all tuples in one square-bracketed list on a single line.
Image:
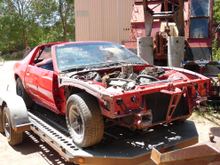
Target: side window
[(43, 54), (44, 59), (199, 28)]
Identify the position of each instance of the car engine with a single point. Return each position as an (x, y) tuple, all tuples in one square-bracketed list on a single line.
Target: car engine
[(125, 78)]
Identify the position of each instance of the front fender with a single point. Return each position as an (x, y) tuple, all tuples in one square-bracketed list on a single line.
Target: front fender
[(187, 72), (17, 110)]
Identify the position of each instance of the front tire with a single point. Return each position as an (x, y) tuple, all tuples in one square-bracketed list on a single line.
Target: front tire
[(14, 138), (180, 121), (21, 92), (84, 120)]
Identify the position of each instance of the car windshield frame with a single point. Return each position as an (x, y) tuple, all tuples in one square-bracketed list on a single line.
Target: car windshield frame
[(75, 56)]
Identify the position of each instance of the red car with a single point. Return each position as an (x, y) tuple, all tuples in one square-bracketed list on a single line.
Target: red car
[(93, 83)]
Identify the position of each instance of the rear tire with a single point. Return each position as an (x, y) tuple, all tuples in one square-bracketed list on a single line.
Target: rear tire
[(84, 120), (14, 138), (21, 92), (1, 120)]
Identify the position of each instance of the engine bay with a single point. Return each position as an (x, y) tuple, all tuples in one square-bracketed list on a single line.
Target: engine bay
[(125, 77)]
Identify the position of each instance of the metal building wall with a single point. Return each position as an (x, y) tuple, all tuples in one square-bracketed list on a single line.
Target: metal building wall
[(103, 19)]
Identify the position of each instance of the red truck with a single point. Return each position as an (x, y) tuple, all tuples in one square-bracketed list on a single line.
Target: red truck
[(97, 83)]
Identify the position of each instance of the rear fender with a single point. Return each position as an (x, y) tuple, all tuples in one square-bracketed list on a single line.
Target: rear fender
[(17, 110)]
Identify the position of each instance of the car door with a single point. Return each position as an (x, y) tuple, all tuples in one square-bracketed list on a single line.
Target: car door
[(40, 79)]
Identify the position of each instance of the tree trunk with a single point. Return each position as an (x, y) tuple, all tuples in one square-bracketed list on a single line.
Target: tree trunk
[(63, 20)]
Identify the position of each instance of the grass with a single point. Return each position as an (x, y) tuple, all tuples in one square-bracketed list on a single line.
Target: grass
[(209, 113), (9, 57)]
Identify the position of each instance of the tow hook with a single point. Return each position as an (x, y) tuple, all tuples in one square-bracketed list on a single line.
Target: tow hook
[(143, 119)]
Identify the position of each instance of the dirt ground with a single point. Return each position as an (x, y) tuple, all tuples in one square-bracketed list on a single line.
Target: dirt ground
[(33, 151)]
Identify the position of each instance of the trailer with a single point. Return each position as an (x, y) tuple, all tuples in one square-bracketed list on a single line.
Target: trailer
[(118, 146)]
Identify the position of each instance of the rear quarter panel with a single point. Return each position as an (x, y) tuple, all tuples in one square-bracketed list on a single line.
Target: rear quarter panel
[(21, 66)]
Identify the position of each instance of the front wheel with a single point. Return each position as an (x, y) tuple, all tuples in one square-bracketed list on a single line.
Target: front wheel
[(13, 137), (84, 120), (180, 121)]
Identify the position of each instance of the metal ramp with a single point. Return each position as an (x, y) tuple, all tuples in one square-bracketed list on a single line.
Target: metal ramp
[(119, 145)]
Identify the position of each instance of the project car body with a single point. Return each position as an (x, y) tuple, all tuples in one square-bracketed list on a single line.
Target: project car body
[(129, 92)]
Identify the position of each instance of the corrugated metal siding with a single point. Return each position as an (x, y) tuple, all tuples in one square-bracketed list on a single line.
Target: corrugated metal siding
[(82, 19), (103, 19), (95, 17), (125, 18), (110, 14)]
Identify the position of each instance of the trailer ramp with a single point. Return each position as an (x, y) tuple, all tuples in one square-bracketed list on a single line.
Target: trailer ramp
[(119, 145)]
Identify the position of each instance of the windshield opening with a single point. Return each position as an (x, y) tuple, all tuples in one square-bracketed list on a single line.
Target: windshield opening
[(83, 55)]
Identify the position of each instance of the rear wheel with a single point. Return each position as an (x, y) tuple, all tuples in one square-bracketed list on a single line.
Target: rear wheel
[(1, 120), (84, 120), (21, 92), (13, 137)]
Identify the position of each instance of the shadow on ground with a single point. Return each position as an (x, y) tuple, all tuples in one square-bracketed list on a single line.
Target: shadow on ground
[(33, 144)]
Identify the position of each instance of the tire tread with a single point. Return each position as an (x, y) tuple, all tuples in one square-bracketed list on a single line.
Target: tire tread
[(14, 138), (94, 126)]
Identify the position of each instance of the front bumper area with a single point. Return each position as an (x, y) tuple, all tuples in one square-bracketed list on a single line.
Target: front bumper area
[(164, 106)]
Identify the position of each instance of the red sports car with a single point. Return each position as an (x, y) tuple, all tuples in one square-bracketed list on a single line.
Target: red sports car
[(93, 83)]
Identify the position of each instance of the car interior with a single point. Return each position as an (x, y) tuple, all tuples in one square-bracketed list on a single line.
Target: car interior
[(44, 59)]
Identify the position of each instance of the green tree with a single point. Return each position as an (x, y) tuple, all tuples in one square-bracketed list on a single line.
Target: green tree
[(66, 10), (26, 23), (21, 18), (216, 10), (57, 17), (215, 45)]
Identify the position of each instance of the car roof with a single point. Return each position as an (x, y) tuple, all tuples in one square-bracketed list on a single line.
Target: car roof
[(71, 42)]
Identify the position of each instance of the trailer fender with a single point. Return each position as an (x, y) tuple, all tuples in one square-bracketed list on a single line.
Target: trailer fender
[(17, 110)]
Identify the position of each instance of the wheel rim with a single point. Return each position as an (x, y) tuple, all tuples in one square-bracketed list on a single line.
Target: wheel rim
[(6, 124), (76, 121)]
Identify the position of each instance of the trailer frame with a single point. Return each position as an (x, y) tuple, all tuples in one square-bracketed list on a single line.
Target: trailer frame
[(121, 147)]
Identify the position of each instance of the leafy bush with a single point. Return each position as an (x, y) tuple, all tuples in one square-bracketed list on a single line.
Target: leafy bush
[(215, 51)]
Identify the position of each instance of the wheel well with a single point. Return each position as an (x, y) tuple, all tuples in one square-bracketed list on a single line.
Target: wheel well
[(3, 105), (16, 76), (69, 90)]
